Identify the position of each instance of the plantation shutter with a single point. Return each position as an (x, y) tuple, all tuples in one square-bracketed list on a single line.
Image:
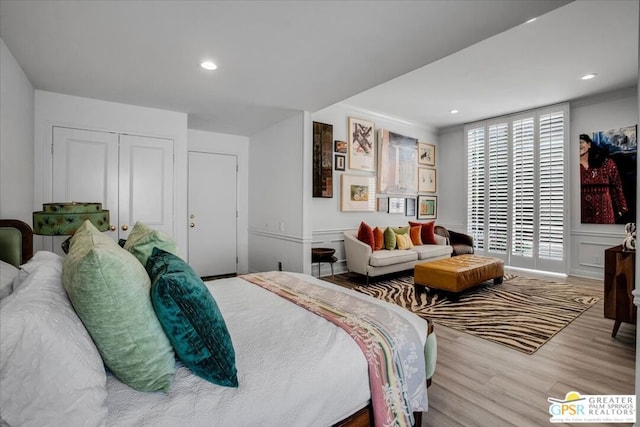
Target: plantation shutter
[(475, 186), (551, 205), (516, 187), (523, 190), (498, 212)]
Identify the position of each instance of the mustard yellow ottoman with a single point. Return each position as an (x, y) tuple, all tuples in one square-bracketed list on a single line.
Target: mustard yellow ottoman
[(458, 273)]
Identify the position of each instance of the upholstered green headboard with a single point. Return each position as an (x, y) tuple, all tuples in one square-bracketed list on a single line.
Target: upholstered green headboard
[(16, 241)]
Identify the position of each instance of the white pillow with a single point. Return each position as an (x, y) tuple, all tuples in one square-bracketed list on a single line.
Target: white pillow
[(8, 272), (51, 371), (40, 258)]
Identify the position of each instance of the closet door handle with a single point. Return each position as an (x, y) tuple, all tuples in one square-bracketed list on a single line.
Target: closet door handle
[(124, 227), (112, 228), (192, 225)]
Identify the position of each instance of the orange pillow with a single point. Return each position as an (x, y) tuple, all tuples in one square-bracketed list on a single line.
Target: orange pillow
[(427, 235), (415, 232), (378, 238), (365, 234)]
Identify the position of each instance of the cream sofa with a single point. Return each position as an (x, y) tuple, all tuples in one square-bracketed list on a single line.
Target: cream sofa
[(363, 260)]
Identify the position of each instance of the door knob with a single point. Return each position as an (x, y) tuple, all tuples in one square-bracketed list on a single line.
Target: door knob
[(192, 225), (124, 227), (112, 228)]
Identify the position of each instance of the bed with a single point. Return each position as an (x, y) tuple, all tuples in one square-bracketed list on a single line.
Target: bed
[(293, 366)]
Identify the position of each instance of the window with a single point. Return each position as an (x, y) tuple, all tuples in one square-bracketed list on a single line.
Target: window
[(516, 187), (523, 187), (498, 214), (475, 186)]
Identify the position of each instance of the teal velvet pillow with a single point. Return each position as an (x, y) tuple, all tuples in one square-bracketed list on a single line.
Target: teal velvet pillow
[(191, 319), (109, 290), (143, 239)]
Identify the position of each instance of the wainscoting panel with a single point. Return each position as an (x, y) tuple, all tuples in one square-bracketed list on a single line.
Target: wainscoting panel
[(587, 252), (330, 239)]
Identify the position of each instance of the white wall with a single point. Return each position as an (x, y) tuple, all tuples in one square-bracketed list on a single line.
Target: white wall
[(327, 221), (587, 242), (278, 169), (54, 109), (453, 179), (16, 139), (220, 143)]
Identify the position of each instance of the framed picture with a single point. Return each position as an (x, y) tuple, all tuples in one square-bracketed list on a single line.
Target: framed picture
[(397, 161), (339, 162), (426, 180), (383, 204), (410, 207), (322, 160), (340, 147), (427, 207), (361, 144), (426, 154), (396, 205), (358, 193)]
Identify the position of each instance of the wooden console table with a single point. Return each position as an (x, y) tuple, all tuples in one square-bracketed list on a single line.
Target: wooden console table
[(619, 281)]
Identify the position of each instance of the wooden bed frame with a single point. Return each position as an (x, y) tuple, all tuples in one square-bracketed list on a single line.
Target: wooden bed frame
[(26, 241), (361, 418)]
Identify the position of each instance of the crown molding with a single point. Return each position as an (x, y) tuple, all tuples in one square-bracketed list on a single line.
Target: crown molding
[(387, 117)]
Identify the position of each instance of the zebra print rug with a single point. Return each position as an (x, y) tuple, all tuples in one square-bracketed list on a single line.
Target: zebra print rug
[(521, 313)]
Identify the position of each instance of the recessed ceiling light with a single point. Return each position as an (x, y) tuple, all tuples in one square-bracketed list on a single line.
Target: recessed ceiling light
[(208, 65), (530, 20), (588, 76), (454, 111)]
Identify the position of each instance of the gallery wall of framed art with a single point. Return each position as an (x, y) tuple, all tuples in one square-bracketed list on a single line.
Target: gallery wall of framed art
[(377, 169)]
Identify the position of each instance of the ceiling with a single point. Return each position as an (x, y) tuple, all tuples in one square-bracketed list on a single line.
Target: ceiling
[(279, 57), (531, 65)]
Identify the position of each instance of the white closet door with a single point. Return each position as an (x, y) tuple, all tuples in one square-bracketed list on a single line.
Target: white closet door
[(146, 183), (213, 213), (85, 169)]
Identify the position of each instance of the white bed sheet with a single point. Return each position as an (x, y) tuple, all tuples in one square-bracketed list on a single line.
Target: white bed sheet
[(294, 368)]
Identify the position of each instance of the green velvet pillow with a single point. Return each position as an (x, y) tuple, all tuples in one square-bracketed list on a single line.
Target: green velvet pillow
[(191, 319), (389, 239), (401, 230), (109, 290), (143, 239)]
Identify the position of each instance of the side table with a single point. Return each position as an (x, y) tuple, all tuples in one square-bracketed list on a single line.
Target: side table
[(619, 282), (321, 255)]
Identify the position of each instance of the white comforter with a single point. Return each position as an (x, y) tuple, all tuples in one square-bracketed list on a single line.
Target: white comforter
[(294, 368)]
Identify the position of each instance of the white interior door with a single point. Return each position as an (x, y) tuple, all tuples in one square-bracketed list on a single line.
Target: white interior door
[(213, 213), (146, 183), (85, 169)]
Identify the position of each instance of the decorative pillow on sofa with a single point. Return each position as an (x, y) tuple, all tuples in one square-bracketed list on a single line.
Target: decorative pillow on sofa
[(143, 239), (110, 291), (191, 319), (52, 373), (365, 235), (389, 239), (401, 230), (428, 235), (404, 241), (378, 238), (415, 232)]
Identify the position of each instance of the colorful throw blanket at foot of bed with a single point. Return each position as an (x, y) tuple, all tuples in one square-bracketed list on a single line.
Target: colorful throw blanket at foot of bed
[(389, 342)]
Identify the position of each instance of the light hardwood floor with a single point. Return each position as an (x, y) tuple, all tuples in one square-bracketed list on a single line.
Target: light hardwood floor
[(480, 383)]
